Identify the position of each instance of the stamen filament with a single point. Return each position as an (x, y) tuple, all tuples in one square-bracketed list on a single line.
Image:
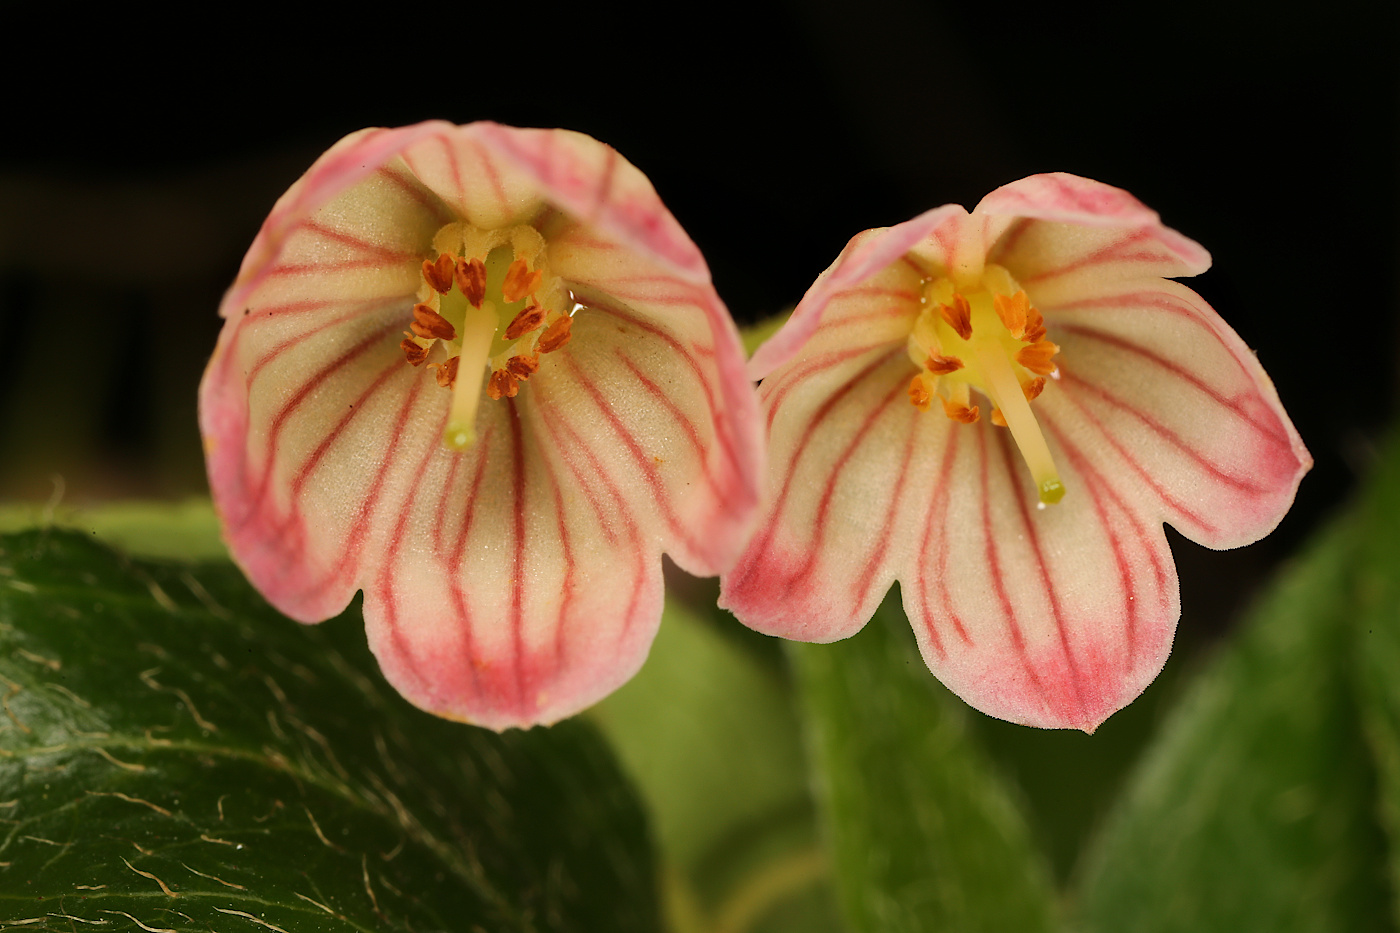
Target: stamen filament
[(1009, 397), (477, 331)]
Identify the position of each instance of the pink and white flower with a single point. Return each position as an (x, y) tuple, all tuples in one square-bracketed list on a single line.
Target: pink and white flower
[(480, 373), (1082, 401)]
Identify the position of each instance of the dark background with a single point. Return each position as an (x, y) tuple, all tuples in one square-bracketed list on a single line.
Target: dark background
[(136, 172)]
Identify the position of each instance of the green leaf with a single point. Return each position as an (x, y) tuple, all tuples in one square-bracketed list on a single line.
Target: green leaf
[(1377, 646), (924, 834), (176, 756), (1253, 810), (708, 732), (187, 531)]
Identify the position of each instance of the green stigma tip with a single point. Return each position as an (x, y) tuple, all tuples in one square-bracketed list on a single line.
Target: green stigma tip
[(1051, 491)]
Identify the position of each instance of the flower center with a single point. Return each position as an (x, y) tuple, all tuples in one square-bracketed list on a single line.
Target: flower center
[(986, 337), (480, 280)]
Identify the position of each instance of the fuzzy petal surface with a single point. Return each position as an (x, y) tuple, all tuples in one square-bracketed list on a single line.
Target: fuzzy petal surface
[(1048, 616), (518, 581)]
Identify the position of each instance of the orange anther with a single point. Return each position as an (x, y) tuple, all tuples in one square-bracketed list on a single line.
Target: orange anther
[(520, 281), (943, 365), (447, 372), (959, 412), (502, 385), (998, 418), (1033, 388), (471, 280), (438, 274), (958, 315), (1012, 310), (428, 323), (555, 335), (1034, 331), (525, 322), (416, 354), (1037, 357), (522, 367), (919, 395)]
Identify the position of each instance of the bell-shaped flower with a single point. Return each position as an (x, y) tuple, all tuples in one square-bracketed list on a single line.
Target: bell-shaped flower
[(480, 373), (999, 409)]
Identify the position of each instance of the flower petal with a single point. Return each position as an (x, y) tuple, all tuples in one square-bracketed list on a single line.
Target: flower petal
[(1052, 617), (671, 360), (519, 581), (1169, 400), (600, 189), (864, 256), (845, 446), (1059, 232)]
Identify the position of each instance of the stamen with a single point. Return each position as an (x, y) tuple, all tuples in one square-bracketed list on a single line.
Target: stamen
[(1006, 392), (525, 322), (1037, 357), (520, 281), (523, 367), (1012, 311), (921, 391), (943, 365), (471, 279), (502, 385), (438, 274), (1033, 388), (428, 323), (416, 354), (447, 372), (555, 335), (962, 413), (958, 315)]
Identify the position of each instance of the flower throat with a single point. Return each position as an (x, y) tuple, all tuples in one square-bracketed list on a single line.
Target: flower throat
[(986, 337), (480, 279)]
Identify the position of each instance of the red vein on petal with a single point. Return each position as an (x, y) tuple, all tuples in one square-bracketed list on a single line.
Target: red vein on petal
[(1273, 432), (1143, 473), (645, 465), (384, 583), (1021, 491), (417, 192), (1117, 251), (284, 269), (774, 390), (873, 562), (723, 430), (493, 175), (376, 250), (517, 571), (992, 556), (1100, 487), (937, 519), (1068, 379), (290, 342), (351, 554), (560, 431), (829, 490), (556, 424), (688, 428), (1007, 241), (763, 538), (605, 182), (453, 566), (279, 421)]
